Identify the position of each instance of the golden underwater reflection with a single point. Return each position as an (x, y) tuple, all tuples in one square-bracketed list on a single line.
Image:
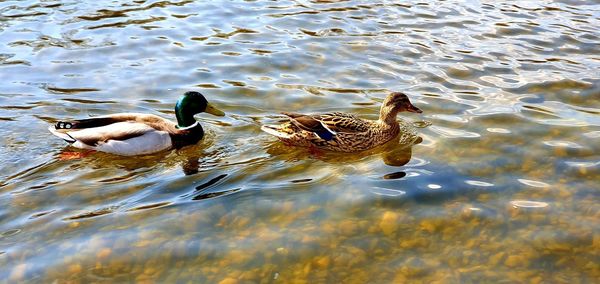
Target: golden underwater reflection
[(190, 159), (502, 189), (396, 152)]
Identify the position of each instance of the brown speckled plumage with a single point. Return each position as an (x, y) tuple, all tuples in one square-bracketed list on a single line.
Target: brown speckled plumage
[(351, 133)]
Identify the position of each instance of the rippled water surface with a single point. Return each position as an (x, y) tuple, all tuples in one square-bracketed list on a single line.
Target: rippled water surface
[(504, 185)]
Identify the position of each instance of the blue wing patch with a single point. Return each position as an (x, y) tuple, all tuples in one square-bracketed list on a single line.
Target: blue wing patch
[(325, 133)]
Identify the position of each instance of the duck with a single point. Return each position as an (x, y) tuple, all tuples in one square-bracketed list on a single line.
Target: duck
[(130, 134), (345, 132)]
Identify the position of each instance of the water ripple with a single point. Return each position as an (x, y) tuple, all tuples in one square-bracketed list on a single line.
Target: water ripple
[(508, 146)]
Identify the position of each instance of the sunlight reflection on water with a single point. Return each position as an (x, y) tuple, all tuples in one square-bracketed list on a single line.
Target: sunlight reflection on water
[(499, 187)]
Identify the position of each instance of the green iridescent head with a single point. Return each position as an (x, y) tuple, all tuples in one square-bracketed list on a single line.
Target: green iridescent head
[(190, 104)]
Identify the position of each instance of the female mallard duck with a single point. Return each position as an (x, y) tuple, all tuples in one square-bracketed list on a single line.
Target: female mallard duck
[(344, 132), (130, 134)]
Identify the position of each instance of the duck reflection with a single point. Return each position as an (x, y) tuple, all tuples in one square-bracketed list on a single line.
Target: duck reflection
[(397, 152), (191, 159)]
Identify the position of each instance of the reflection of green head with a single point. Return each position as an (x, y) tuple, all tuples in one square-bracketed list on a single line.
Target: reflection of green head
[(191, 104)]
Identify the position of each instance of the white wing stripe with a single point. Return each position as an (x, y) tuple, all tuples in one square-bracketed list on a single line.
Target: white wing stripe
[(327, 128)]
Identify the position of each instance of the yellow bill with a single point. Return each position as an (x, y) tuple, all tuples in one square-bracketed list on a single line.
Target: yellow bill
[(213, 110)]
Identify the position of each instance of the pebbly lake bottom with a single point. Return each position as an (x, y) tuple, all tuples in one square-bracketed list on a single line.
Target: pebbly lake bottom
[(502, 188), (283, 215)]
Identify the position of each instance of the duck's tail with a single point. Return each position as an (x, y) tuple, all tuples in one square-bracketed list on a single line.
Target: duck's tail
[(62, 135)]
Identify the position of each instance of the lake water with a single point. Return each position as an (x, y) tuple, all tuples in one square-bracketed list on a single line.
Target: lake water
[(503, 187)]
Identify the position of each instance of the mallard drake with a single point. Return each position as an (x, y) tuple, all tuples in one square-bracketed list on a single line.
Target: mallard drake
[(343, 132), (130, 134)]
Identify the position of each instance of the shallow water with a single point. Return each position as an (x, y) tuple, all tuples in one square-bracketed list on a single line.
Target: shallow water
[(503, 187)]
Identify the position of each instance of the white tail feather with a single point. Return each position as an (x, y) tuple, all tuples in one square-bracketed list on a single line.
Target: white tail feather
[(61, 135)]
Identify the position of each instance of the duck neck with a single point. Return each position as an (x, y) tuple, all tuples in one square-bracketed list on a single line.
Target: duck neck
[(188, 136), (387, 116), (185, 118)]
